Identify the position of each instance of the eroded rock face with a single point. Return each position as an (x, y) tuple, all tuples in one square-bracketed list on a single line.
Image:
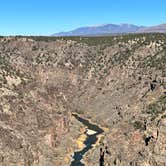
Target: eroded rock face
[(117, 82)]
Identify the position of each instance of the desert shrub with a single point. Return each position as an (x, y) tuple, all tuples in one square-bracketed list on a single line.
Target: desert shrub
[(157, 108), (138, 125)]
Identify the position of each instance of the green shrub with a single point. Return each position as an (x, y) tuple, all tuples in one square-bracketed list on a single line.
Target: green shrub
[(138, 125)]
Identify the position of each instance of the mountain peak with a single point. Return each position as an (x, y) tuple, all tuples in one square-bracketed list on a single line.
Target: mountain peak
[(98, 25), (101, 30), (105, 29)]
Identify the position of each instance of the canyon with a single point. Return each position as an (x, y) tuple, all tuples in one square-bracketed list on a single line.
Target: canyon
[(117, 83)]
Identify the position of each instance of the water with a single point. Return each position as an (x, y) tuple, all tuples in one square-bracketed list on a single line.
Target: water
[(90, 140)]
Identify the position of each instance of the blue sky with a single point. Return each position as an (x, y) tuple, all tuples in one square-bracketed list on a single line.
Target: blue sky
[(45, 17)]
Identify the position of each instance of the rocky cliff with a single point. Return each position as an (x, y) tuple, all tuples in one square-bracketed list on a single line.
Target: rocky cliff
[(118, 82)]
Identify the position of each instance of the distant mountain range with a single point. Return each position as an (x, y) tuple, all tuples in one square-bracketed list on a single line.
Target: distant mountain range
[(158, 29), (112, 29)]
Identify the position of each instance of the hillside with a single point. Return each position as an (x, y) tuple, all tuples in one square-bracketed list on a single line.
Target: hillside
[(118, 83)]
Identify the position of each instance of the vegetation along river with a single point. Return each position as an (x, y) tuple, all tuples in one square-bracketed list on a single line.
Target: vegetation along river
[(90, 140)]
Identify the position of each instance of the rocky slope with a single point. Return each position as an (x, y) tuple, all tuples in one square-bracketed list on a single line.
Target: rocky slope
[(117, 82)]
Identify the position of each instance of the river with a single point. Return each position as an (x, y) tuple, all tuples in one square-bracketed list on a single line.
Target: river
[(90, 140)]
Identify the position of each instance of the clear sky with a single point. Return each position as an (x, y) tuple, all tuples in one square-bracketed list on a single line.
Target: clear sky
[(45, 17)]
